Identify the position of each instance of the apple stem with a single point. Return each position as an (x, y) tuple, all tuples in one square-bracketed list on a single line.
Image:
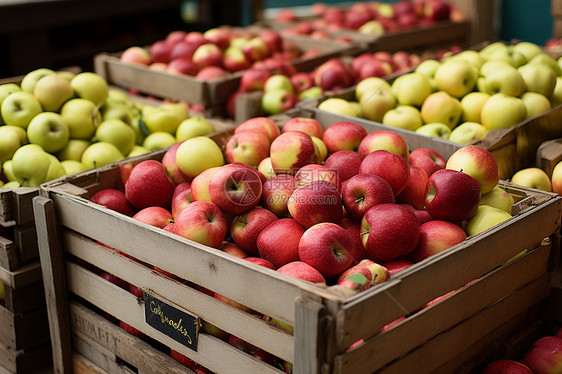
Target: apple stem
[(364, 233)]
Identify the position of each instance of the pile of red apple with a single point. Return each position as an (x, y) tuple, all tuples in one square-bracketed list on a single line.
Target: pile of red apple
[(373, 18), (334, 206)]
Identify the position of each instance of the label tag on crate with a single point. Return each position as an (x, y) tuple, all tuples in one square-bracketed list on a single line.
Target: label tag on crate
[(180, 326)]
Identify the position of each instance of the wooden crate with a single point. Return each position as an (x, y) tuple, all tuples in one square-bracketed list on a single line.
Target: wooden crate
[(549, 154), (492, 300)]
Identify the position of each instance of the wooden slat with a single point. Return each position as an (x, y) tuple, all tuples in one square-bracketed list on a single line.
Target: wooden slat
[(25, 238), (23, 276), (8, 254), (311, 340), (431, 321), (25, 298), (104, 360), (31, 361), (6, 208), (232, 320), (23, 331), (448, 270), (54, 280), (23, 204)]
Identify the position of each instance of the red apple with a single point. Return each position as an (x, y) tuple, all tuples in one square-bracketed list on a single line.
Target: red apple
[(246, 227), (385, 140), (262, 125), (234, 59), (154, 216), (290, 151), (374, 274), (261, 262), (279, 242), (203, 222), (184, 360), (544, 356), (115, 200), (314, 203), (452, 195), (160, 51), (314, 172), (301, 81), (175, 37), (375, 68), (333, 74), (397, 265), (390, 166), (211, 72), (345, 163), (276, 193), (184, 50), (235, 189), (115, 280), (233, 250), (427, 159), (302, 270), (254, 79), (208, 55), (505, 366), (272, 39), (136, 55), (477, 162), (436, 10), (435, 237), (247, 147), (363, 191), (183, 66), (389, 231), (220, 36), (357, 250), (135, 291), (200, 185), (309, 126), (344, 135), (169, 162), (131, 330), (414, 191), (181, 198), (256, 49), (149, 185)]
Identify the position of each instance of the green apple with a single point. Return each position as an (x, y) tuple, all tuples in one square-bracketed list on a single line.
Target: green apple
[(278, 82), (556, 98), (435, 130), (320, 149), (191, 127), (474, 58), (376, 103), (137, 150), (10, 141), (140, 129), (82, 116), (456, 77), (502, 111), (72, 167), (486, 216), (5, 90), (313, 92), (356, 108), (504, 79), (538, 78), (118, 111), (161, 119), (337, 105), (90, 86), (441, 107), (179, 109), (428, 68), (30, 79), (467, 132), (403, 116), (55, 170), (52, 91), (8, 171), (73, 149), (100, 154), (543, 58), (472, 104), (411, 89), (498, 198), (535, 103), (491, 48), (509, 55), (118, 133), (49, 130), (19, 108), (30, 164), (198, 154), (12, 184), (158, 140), (532, 177), (369, 86), (66, 74), (527, 49)]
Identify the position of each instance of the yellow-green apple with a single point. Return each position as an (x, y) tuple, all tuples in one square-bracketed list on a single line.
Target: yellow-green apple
[(339, 106), (115, 200), (158, 140), (369, 86), (345, 163), (414, 191), (278, 82), (301, 270), (200, 184), (477, 162), (10, 141), (556, 97), (313, 92), (192, 127), (118, 133), (266, 169), (320, 149), (508, 55), (246, 227), (404, 117), (19, 108), (82, 117), (532, 177), (353, 227), (235, 189), (247, 147), (498, 198), (538, 78), (468, 131), (427, 159), (290, 151), (30, 164), (545, 59), (319, 201), (52, 91), (138, 150), (256, 49), (344, 135), (198, 154), (390, 166), (263, 125), (527, 49), (276, 193), (136, 55), (456, 77), (544, 355), (73, 150), (389, 231), (253, 79), (202, 222), (48, 130), (90, 86), (484, 218), (155, 216), (385, 140), (435, 130), (149, 185), (30, 79), (441, 107), (8, 172), (374, 104), (500, 77), (436, 236), (309, 126), (161, 119), (411, 89), (452, 195), (324, 247), (505, 366), (535, 103), (55, 170), (169, 162), (277, 101), (362, 192), (11, 185), (471, 56), (428, 68), (279, 242), (472, 104), (396, 266), (180, 198), (5, 90), (502, 111)]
